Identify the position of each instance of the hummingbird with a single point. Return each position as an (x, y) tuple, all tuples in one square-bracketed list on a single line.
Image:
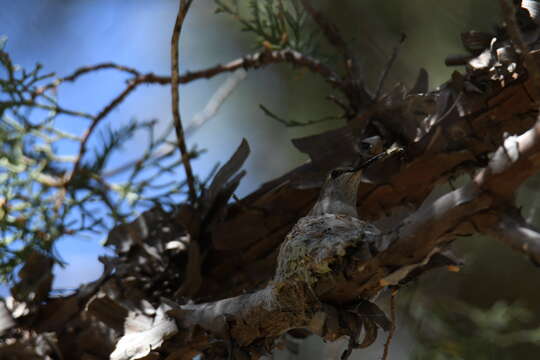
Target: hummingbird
[(338, 193), (340, 189), (321, 237)]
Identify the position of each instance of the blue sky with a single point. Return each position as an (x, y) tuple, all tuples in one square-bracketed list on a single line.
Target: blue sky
[(64, 35)]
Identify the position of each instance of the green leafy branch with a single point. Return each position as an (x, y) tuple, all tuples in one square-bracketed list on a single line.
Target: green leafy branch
[(37, 205), (49, 192), (277, 24)]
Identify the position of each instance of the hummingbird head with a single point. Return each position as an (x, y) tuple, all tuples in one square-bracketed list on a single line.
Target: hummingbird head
[(340, 190), (338, 193)]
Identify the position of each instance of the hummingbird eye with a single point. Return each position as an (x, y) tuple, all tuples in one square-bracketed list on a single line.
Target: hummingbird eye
[(339, 171), (335, 173)]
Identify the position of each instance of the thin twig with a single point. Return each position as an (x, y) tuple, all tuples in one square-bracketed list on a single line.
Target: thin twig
[(294, 123), (392, 325), (196, 122), (353, 84), (54, 108), (332, 34), (329, 30), (216, 101), (162, 152), (85, 70), (341, 104), (97, 119), (254, 61), (182, 12), (389, 65)]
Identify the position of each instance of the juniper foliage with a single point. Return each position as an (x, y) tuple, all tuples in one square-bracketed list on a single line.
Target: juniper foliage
[(38, 206)]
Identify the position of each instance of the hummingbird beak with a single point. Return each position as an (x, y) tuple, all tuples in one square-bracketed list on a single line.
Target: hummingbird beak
[(370, 161), (394, 149)]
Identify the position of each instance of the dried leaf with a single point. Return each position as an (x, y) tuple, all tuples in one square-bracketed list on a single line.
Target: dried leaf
[(143, 334), (29, 347), (370, 334), (372, 312), (124, 236), (223, 175), (35, 279), (483, 61), (107, 311), (6, 320), (421, 86)]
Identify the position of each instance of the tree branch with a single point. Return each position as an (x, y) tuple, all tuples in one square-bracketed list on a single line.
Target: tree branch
[(514, 231), (330, 30), (54, 108), (95, 122), (515, 161), (332, 34), (182, 12), (388, 66), (254, 61), (402, 250), (86, 70), (354, 88)]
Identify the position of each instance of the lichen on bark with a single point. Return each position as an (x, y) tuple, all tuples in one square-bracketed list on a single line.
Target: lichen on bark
[(317, 242)]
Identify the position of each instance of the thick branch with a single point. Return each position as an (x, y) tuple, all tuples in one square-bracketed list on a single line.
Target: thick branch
[(409, 246), (254, 229), (514, 231), (515, 161)]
